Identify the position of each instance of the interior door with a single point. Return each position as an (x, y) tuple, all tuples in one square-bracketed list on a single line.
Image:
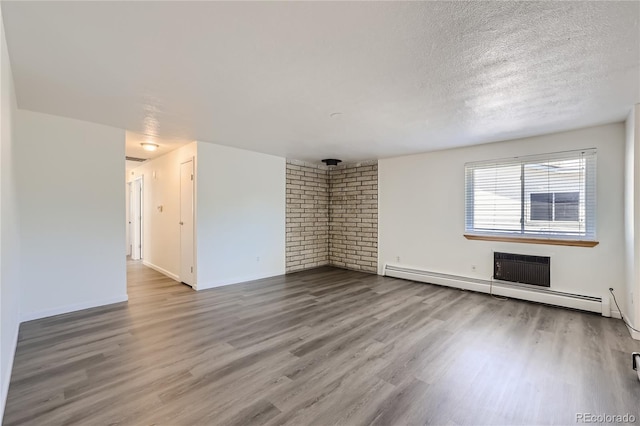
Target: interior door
[(187, 263)]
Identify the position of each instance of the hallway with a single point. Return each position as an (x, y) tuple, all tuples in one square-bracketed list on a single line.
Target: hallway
[(144, 285)]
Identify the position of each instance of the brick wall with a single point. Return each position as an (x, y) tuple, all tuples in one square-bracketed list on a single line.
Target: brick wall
[(332, 216), (353, 215), (307, 239)]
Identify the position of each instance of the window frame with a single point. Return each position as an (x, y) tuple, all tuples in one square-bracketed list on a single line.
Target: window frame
[(586, 238)]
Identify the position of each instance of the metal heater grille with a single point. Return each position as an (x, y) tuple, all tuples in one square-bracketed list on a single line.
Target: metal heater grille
[(520, 268)]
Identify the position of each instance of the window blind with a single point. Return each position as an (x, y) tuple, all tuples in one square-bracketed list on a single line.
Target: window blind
[(548, 196)]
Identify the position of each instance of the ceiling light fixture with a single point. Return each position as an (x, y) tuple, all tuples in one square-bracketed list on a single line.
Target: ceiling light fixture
[(148, 146)]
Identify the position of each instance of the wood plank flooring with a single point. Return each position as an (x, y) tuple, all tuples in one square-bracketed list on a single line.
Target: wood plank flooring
[(321, 347)]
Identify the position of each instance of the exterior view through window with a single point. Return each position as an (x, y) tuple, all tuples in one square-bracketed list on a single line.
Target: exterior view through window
[(548, 196)]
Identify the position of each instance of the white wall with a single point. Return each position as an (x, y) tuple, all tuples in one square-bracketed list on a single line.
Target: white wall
[(632, 217), (421, 213), (161, 229), (240, 215), (72, 213), (9, 237)]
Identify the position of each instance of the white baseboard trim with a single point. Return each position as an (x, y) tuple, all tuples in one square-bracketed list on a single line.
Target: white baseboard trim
[(634, 334), (161, 270), (7, 380), (516, 291), (72, 308), (237, 280)]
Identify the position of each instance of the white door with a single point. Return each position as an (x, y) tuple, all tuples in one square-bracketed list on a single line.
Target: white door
[(187, 263), (136, 219)]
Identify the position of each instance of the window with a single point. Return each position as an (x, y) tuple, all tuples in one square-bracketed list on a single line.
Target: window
[(555, 206), (551, 196), (542, 206)]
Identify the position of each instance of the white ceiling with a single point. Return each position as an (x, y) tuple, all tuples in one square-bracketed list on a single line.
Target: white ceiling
[(407, 76)]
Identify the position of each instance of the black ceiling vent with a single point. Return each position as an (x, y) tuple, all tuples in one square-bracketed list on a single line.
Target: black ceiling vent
[(139, 160), (331, 161)]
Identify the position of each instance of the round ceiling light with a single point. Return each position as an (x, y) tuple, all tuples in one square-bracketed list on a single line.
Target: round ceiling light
[(148, 146)]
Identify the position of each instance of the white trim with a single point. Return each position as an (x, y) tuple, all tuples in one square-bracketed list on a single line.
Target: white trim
[(7, 380), (516, 291), (161, 270), (194, 207), (239, 280), (634, 334), (140, 198), (72, 308), (196, 179)]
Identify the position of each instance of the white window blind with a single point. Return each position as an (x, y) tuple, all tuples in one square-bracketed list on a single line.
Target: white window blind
[(547, 196)]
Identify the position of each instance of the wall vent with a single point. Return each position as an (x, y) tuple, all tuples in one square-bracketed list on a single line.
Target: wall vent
[(139, 160), (521, 268)]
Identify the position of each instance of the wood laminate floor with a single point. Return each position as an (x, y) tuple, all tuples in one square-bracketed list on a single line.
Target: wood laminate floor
[(320, 347)]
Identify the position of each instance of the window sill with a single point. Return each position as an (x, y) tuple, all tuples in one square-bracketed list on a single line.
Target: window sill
[(526, 240)]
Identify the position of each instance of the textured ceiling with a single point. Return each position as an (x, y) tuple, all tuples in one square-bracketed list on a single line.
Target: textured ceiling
[(406, 76)]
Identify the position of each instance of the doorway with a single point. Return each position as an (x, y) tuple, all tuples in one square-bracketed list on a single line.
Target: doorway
[(187, 272), (135, 217)]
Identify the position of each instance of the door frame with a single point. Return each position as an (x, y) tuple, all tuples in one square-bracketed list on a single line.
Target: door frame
[(135, 255), (193, 219), (128, 218)]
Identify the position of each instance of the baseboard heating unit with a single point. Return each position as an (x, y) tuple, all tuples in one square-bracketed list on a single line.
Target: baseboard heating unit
[(600, 305)]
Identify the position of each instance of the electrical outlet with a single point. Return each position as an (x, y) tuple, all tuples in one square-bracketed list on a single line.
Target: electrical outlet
[(258, 259), (398, 259)]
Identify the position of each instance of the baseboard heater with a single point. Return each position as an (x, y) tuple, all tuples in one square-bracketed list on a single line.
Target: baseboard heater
[(508, 289)]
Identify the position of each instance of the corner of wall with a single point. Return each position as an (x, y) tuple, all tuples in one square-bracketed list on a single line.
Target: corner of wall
[(332, 216), (632, 216), (353, 216), (7, 378), (635, 299), (9, 224)]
